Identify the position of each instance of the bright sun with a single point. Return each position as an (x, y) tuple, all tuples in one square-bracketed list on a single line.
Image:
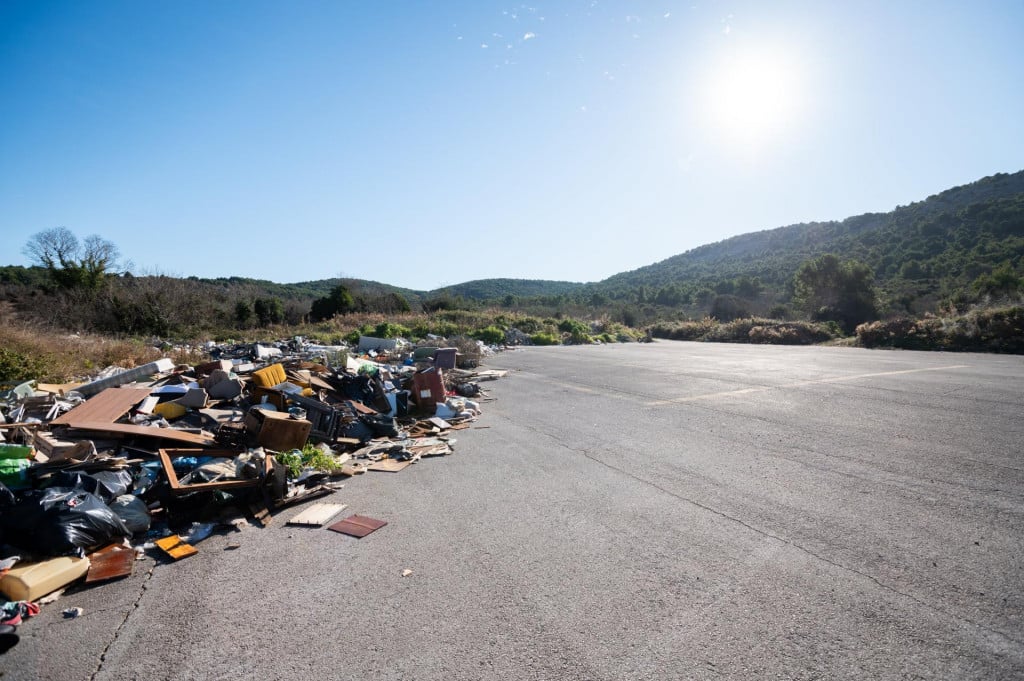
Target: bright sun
[(753, 98)]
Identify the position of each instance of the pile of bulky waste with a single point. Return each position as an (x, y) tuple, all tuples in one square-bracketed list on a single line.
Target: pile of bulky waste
[(148, 461)]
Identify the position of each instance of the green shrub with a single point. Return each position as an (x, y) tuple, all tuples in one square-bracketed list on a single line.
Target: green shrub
[(543, 338), (685, 330), (578, 337), (983, 330), (574, 327), (16, 367), (491, 335), (790, 333), (528, 324), (389, 330)]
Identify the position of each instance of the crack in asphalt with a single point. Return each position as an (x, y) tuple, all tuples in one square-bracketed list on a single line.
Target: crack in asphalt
[(117, 632), (587, 454)]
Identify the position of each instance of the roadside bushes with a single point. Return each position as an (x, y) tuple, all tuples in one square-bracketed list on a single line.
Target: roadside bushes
[(16, 367), (543, 338), (981, 330), (748, 330)]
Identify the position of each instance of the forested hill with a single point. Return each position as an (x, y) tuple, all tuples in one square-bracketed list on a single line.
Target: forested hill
[(954, 235), (494, 289)]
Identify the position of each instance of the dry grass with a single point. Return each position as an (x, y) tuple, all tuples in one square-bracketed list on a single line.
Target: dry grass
[(48, 355)]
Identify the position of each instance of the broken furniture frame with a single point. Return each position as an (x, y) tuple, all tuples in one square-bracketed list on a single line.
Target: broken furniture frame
[(178, 488)]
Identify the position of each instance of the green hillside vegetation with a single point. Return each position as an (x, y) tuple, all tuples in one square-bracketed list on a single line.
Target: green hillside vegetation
[(920, 255), (957, 250), (500, 289)]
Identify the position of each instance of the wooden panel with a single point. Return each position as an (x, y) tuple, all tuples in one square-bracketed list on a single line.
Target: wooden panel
[(175, 547), (177, 488), (147, 431), (107, 407), (317, 514), (111, 562), (358, 525)]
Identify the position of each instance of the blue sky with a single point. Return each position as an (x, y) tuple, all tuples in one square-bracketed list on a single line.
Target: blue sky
[(430, 143)]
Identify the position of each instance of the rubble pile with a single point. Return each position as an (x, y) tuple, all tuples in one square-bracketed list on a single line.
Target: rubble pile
[(153, 459)]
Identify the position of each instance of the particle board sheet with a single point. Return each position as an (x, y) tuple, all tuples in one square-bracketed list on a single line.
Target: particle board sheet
[(317, 515), (106, 407), (357, 526), (111, 562), (171, 434)]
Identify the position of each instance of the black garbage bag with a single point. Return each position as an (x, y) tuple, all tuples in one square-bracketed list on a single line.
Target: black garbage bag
[(60, 522), (6, 496), (353, 386), (107, 485), (358, 430), (382, 426)]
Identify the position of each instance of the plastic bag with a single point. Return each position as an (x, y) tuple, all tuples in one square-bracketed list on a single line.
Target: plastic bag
[(132, 511), (107, 485), (61, 522)]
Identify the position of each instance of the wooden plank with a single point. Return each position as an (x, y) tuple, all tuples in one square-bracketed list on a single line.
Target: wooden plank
[(110, 562), (317, 514), (175, 547), (357, 525), (107, 407), (171, 434), (178, 488)]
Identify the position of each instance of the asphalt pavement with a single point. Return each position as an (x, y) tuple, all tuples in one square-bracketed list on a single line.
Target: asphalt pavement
[(669, 510)]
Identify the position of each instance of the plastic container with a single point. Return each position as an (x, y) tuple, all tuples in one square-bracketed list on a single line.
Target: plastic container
[(12, 473), (34, 580)]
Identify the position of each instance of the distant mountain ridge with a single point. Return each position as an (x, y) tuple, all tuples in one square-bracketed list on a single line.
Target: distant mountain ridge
[(768, 253), (924, 251)]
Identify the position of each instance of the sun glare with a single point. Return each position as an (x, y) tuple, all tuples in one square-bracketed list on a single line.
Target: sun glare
[(753, 98)]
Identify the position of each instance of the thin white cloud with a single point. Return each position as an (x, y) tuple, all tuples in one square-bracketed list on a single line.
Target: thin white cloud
[(483, 46), (666, 15), (529, 36), (727, 30)]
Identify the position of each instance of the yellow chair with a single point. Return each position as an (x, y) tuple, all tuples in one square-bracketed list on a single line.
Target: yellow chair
[(264, 381)]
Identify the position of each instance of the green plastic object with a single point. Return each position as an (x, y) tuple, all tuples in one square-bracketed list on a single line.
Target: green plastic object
[(8, 451), (12, 472)]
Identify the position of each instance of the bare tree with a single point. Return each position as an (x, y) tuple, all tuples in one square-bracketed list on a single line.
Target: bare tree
[(73, 264)]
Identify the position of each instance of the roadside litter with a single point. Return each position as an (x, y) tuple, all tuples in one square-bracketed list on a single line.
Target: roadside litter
[(150, 461)]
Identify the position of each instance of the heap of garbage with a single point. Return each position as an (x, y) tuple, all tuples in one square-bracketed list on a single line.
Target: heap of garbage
[(153, 459)]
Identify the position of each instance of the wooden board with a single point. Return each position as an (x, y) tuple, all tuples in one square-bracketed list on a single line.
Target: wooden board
[(317, 514), (110, 562), (357, 526), (107, 407), (175, 547), (178, 488), (170, 434)]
